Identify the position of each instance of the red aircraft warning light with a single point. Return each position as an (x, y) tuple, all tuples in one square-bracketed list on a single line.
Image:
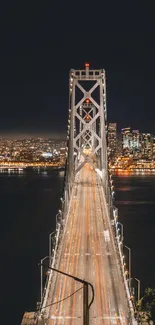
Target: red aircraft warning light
[(87, 100), (87, 65), (87, 117)]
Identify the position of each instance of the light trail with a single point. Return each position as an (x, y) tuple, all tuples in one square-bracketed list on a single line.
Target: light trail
[(83, 252)]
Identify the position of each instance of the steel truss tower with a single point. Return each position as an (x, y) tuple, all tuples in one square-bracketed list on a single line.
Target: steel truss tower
[(87, 122)]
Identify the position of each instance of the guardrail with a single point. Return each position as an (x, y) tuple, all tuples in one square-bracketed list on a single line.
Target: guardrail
[(119, 243), (113, 215), (48, 281)]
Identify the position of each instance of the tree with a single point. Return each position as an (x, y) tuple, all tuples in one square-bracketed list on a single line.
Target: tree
[(146, 305)]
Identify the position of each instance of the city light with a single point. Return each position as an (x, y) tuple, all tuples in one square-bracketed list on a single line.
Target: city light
[(32, 152), (133, 152)]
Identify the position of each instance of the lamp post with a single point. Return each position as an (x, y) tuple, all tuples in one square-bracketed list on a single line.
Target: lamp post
[(50, 246), (86, 305), (57, 215), (41, 278), (122, 232), (62, 201), (138, 281), (129, 249), (138, 288)]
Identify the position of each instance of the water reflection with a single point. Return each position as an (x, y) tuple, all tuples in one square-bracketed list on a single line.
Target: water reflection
[(11, 170)]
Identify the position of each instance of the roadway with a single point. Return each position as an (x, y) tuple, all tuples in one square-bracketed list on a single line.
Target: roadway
[(87, 253)]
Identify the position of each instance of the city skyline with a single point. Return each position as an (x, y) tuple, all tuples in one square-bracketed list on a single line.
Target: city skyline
[(61, 135)]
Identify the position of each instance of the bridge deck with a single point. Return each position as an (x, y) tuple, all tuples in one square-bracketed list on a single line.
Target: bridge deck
[(85, 253)]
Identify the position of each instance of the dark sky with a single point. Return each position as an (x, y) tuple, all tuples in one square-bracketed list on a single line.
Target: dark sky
[(36, 54)]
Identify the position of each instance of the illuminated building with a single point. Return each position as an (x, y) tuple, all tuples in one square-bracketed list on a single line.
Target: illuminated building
[(126, 140), (112, 139), (135, 139), (136, 144), (146, 145), (130, 142)]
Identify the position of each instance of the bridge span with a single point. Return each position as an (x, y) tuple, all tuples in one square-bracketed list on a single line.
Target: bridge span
[(88, 251), (87, 245)]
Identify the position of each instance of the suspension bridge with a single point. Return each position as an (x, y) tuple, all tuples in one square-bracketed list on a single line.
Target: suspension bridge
[(86, 281)]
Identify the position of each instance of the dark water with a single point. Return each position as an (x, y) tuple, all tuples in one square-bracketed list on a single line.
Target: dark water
[(135, 199), (28, 205)]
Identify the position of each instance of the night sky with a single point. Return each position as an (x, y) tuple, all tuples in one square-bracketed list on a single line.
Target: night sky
[(36, 54)]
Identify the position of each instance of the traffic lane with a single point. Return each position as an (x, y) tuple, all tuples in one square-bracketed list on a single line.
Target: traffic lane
[(86, 267), (59, 278), (64, 259), (96, 281), (117, 287), (68, 261), (70, 286), (93, 259), (104, 294), (76, 308), (100, 307), (116, 276), (112, 305), (74, 259)]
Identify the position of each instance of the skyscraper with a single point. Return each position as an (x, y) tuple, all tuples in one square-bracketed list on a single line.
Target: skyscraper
[(112, 140), (130, 142), (135, 139), (146, 144), (126, 140)]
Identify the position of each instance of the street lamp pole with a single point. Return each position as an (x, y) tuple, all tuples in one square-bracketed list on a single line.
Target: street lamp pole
[(138, 288), (86, 305), (129, 249), (57, 215), (41, 278), (122, 232), (50, 247)]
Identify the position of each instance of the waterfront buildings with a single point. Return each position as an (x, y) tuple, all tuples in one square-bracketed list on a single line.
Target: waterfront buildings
[(34, 149), (136, 144)]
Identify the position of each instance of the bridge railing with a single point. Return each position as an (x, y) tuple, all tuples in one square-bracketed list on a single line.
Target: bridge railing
[(119, 244), (47, 286), (113, 215)]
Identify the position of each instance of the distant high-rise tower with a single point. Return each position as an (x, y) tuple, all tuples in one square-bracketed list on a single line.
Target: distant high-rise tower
[(146, 143), (112, 139), (135, 139), (126, 138), (130, 142)]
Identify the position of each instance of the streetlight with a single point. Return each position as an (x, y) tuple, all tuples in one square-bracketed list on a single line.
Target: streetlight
[(62, 200), (138, 281), (86, 305), (58, 215), (129, 249), (41, 278), (138, 288), (50, 246), (122, 232)]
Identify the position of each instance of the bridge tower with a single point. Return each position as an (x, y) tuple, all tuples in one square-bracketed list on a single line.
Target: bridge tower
[(87, 122)]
